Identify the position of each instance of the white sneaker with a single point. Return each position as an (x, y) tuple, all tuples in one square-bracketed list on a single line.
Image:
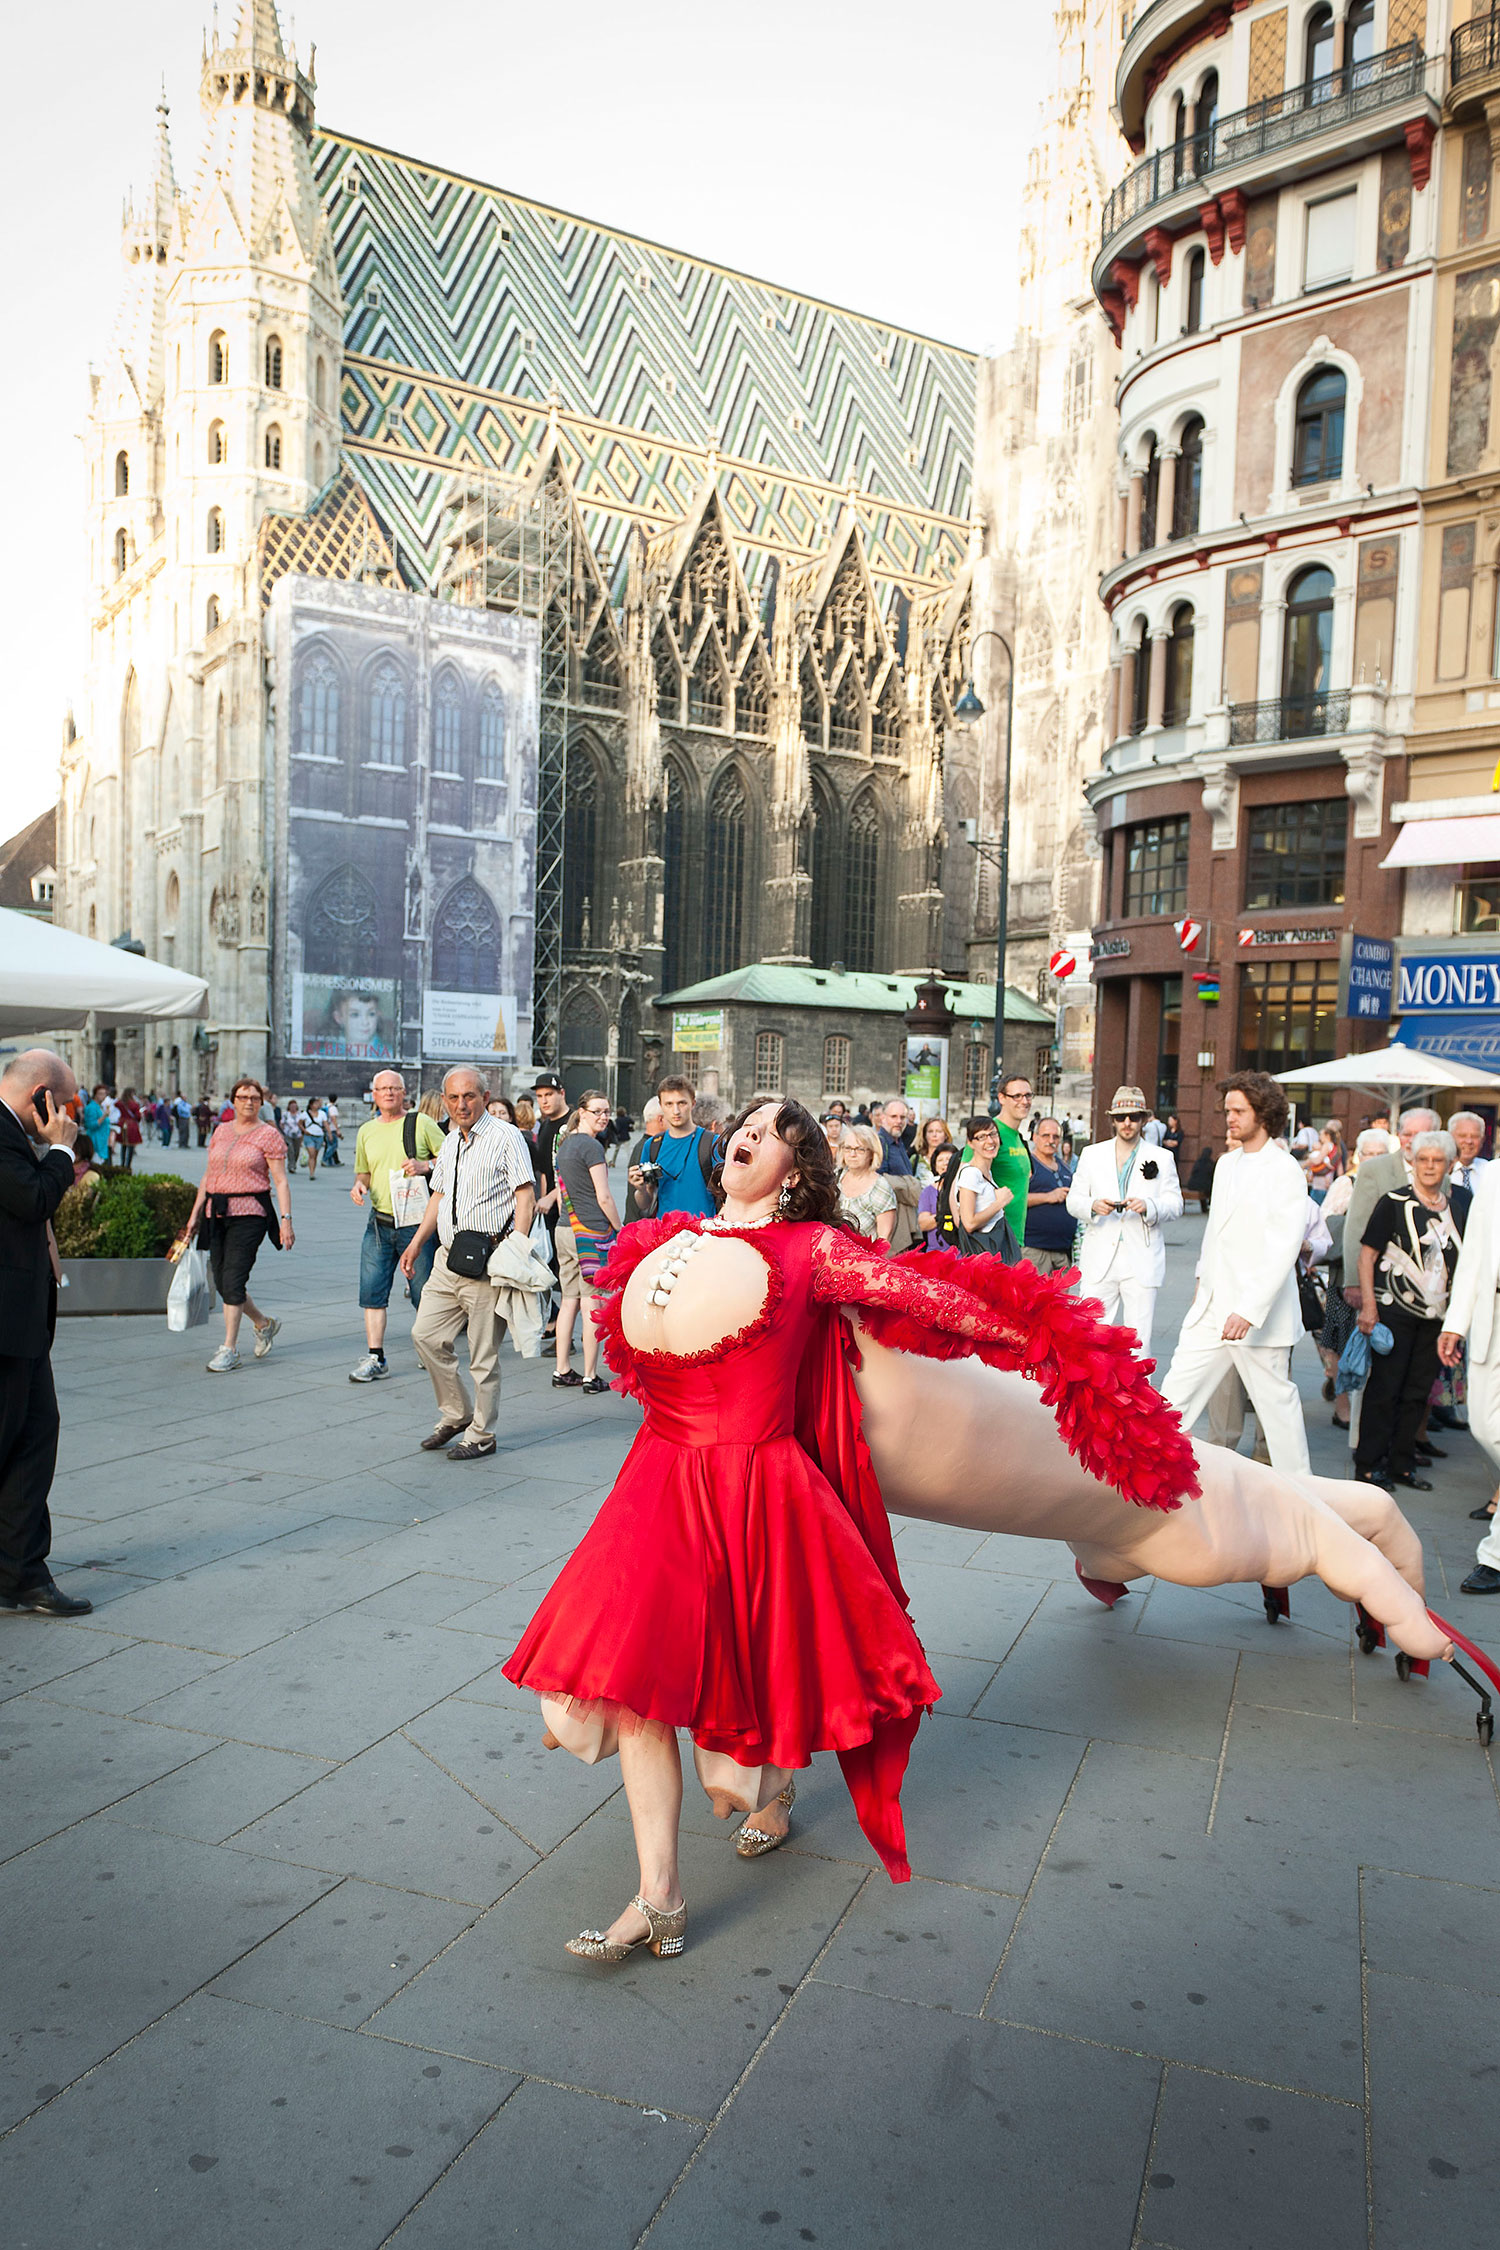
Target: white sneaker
[(224, 1361), (369, 1370), (265, 1337)]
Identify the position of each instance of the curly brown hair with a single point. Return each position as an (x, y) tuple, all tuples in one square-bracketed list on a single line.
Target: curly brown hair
[(1264, 1096), (813, 1190)]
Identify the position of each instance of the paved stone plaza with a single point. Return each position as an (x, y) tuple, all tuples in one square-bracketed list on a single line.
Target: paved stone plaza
[(1199, 1952)]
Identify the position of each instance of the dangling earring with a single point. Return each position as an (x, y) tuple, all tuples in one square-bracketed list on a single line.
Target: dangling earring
[(784, 1200)]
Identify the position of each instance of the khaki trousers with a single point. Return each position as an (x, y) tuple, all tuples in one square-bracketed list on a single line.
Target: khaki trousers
[(450, 1304)]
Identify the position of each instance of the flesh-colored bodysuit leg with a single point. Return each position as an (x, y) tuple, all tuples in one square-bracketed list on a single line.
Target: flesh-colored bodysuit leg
[(956, 1442)]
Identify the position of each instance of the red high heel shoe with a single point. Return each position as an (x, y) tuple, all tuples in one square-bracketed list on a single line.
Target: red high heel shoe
[(1105, 1590)]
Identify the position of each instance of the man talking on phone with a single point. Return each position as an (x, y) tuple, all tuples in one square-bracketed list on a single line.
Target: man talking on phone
[(34, 1091)]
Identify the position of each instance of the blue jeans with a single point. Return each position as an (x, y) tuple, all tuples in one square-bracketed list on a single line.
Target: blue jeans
[(381, 1246)]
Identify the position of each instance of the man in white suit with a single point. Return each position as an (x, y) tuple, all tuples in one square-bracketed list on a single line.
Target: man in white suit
[(1471, 1313), (1124, 1191), (1245, 1315)]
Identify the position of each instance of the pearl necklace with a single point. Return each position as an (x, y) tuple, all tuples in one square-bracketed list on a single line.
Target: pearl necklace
[(686, 1247)]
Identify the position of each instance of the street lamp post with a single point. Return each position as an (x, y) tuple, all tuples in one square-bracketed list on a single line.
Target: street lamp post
[(996, 850)]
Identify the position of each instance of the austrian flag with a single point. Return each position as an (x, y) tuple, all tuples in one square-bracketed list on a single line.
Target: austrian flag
[(1189, 933)]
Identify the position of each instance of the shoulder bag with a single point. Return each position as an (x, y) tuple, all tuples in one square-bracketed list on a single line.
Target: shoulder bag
[(469, 1252)]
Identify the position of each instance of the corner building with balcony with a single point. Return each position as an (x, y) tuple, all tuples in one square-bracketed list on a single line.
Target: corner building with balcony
[(1269, 265)]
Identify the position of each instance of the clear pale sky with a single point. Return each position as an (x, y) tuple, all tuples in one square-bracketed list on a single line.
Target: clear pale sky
[(871, 154)]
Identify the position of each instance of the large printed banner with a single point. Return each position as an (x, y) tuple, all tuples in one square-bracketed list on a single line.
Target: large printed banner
[(469, 1026), (344, 1019)]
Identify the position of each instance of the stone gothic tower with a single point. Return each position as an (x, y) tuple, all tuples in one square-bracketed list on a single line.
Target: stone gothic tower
[(217, 405)]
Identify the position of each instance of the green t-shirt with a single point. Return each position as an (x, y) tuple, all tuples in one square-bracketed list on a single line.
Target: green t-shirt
[(381, 1147), (1011, 1169)]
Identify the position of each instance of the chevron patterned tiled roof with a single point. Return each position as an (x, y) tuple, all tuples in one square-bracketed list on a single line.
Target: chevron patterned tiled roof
[(470, 310)]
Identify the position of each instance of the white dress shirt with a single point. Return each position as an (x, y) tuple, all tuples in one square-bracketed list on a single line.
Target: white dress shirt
[(490, 1162)]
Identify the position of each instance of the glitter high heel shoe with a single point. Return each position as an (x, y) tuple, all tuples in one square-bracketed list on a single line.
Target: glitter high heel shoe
[(664, 1935), (751, 1842)]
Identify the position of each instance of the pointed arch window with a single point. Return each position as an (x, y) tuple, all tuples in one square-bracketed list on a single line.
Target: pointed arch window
[(466, 941), (122, 475), (823, 865), (599, 673), (580, 851), (812, 705), (674, 842), (1187, 494), (122, 552), (320, 385), (211, 614), (343, 925), (216, 531), (668, 676), (218, 357), (387, 718), (724, 902), (318, 466), (318, 709), (218, 445), (273, 445), (753, 701), (1179, 701), (448, 728), (861, 884), (885, 719), (706, 688), (846, 713), (492, 733), (273, 363)]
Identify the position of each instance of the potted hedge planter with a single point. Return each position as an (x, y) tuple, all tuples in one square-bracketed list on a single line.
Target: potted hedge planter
[(114, 1232)]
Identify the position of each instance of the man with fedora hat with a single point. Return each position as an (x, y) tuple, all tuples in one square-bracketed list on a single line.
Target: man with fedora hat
[(1124, 1192)]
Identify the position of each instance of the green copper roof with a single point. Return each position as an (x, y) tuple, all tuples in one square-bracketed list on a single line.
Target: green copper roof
[(778, 984)]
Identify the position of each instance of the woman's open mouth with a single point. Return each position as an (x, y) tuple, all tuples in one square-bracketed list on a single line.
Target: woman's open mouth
[(743, 1156)]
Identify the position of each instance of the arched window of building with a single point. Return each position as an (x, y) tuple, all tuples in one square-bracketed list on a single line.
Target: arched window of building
[(823, 859), (122, 475), (342, 932), (221, 747), (1318, 433), (1179, 699), (1317, 52), (1193, 293), (753, 699), (122, 552), (668, 677), (387, 718), (318, 708), (584, 1043), (211, 614), (1205, 118), (837, 1050), (218, 357), (273, 445), (447, 727), (846, 713), (218, 445), (674, 850), (885, 719), (216, 531), (581, 901), (320, 385), (724, 899), (1181, 156), (706, 689), (318, 478), (1187, 493), (174, 896), (1359, 37), (492, 733), (1140, 701), (861, 883), (466, 941), (93, 921), (1150, 483), (1307, 651), (273, 363)]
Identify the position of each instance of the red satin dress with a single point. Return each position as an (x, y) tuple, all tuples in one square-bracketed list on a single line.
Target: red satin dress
[(740, 1580)]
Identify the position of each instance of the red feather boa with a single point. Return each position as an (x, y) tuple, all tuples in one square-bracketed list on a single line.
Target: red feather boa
[(1110, 1415)]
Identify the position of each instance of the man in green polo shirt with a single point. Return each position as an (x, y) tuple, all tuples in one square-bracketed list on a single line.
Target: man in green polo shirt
[(1012, 1165), (379, 1151)]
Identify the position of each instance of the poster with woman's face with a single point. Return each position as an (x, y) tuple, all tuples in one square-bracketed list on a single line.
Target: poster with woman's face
[(344, 1019)]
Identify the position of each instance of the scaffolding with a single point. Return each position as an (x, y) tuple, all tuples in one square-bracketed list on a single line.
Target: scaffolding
[(508, 546)]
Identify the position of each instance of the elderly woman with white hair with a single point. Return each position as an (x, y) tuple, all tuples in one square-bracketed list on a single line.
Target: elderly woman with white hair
[(1407, 1257), (866, 1198)]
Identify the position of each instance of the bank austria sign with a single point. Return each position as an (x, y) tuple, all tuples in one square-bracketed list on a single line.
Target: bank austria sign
[(1433, 984)]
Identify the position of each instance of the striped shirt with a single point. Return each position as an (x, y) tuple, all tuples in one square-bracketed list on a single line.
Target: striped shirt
[(491, 1164)]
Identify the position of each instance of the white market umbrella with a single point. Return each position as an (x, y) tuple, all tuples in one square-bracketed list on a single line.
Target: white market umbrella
[(54, 980), (1391, 1069)]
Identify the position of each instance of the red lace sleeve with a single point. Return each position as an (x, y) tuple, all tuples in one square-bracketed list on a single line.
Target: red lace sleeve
[(634, 1242), (943, 1306)]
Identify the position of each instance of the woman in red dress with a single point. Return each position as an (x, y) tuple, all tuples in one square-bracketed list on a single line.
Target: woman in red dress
[(740, 1580)]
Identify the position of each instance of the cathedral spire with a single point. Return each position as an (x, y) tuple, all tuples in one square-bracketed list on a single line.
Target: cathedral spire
[(146, 241)]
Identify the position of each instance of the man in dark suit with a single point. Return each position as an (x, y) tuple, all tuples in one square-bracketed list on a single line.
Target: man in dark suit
[(33, 1091)]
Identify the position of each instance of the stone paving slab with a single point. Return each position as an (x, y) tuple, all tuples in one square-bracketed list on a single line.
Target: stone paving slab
[(286, 1738)]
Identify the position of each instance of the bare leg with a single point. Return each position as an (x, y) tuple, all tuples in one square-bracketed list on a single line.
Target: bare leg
[(565, 1312), (375, 1326), (651, 1768), (590, 1344)]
